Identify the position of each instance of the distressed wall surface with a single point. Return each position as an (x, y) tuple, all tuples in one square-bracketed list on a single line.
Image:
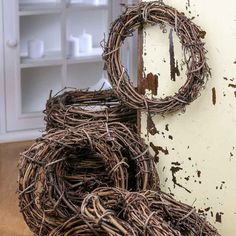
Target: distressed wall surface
[(196, 150)]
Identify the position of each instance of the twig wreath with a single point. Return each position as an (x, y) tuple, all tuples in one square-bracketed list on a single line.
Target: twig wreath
[(77, 225), (62, 167), (71, 108), (190, 36), (120, 212)]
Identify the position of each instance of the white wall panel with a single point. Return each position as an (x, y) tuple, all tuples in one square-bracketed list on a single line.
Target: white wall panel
[(203, 139)]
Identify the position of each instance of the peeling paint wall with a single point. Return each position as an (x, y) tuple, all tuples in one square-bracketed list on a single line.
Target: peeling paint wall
[(195, 151)]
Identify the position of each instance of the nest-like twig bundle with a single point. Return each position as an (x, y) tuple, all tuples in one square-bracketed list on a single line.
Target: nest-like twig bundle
[(77, 225), (62, 167), (71, 108), (190, 35), (120, 212)]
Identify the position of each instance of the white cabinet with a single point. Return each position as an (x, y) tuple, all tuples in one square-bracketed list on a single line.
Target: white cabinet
[(28, 81)]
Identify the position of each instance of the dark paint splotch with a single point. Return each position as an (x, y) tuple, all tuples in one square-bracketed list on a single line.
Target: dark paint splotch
[(174, 67), (232, 85), (150, 82), (157, 150), (199, 173), (151, 128), (167, 127), (219, 217), (213, 96), (176, 163), (174, 170)]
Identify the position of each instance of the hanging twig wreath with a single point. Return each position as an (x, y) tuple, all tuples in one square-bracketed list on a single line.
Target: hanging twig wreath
[(190, 35), (120, 212), (62, 167), (71, 108)]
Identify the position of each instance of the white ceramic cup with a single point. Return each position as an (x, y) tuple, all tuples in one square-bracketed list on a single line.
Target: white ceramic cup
[(35, 48), (73, 46), (85, 42)]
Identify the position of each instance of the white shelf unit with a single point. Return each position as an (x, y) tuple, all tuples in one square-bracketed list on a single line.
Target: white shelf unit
[(77, 74), (26, 9), (50, 59), (94, 56), (27, 82), (30, 80), (36, 83), (86, 6), (54, 58)]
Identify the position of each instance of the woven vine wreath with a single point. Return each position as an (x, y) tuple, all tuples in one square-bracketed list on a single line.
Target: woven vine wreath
[(78, 226), (62, 167), (71, 108), (190, 36), (120, 212)]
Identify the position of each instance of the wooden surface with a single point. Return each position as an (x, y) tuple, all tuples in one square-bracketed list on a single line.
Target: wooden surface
[(11, 221)]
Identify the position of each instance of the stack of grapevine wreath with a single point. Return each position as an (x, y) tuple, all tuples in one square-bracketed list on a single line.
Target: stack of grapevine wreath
[(91, 173)]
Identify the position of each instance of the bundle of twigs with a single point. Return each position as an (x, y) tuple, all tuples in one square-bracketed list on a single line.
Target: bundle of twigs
[(180, 216), (62, 167), (190, 35), (71, 108), (77, 225), (120, 212)]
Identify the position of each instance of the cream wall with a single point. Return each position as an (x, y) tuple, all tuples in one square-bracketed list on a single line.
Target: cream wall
[(203, 139)]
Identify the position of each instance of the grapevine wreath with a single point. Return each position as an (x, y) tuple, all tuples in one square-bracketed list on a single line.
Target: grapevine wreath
[(63, 166), (120, 212), (71, 108), (190, 36)]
